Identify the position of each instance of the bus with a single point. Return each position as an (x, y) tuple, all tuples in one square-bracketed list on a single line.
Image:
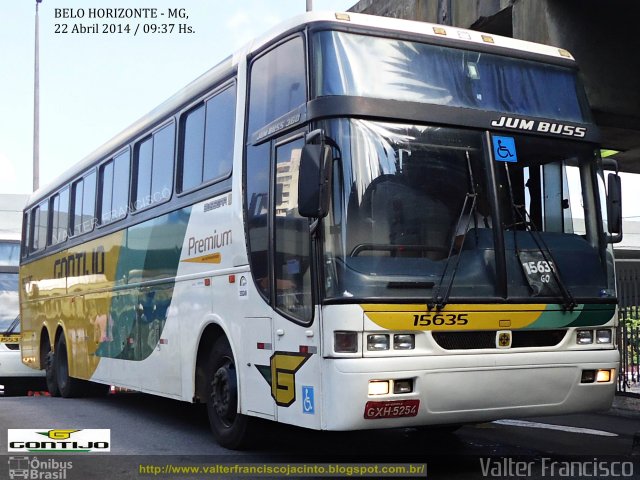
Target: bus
[(353, 223), (15, 378)]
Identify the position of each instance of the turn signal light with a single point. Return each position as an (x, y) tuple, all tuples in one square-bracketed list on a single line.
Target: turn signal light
[(345, 342)]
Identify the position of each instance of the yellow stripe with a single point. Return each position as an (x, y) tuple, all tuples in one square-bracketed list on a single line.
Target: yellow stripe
[(453, 317), (210, 258)]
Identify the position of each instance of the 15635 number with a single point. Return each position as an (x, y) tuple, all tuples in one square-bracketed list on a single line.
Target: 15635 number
[(440, 319)]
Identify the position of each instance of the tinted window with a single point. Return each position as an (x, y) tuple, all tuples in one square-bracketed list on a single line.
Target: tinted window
[(106, 181), (60, 217), (39, 219), (114, 179), (76, 214), (277, 83), (218, 146), (193, 148), (9, 253), (257, 201), (154, 168), (143, 173), (162, 175), (364, 66), (83, 195), (207, 151), (120, 186), (89, 202), (9, 304)]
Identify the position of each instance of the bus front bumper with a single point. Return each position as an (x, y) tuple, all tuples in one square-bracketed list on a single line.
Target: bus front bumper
[(461, 389)]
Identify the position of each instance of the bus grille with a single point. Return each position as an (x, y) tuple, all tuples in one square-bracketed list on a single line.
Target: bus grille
[(13, 346), (487, 339)]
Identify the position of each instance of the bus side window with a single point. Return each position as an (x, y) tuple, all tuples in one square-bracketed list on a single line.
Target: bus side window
[(153, 168), (207, 140), (277, 83), (114, 188), (59, 216), (83, 193), (39, 221)]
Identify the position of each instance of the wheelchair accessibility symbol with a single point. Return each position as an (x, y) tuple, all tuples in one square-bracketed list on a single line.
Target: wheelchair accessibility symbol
[(504, 149), (308, 402)]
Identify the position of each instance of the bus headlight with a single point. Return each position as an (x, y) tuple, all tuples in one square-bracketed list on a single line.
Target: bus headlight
[(404, 341), (603, 336), (377, 342), (584, 337)]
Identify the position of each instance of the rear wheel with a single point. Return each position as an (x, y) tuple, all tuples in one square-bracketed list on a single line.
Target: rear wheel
[(51, 377), (69, 387), (230, 428)]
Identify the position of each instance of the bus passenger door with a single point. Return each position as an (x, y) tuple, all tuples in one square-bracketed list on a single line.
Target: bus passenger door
[(295, 361)]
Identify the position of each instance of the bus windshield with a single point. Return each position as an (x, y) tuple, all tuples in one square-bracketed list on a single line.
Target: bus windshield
[(9, 254), (366, 66), (411, 215), (9, 306)]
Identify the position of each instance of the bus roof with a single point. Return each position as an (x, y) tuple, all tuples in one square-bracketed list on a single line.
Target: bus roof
[(226, 67)]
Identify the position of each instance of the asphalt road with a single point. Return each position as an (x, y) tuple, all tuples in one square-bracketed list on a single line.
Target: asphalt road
[(147, 432)]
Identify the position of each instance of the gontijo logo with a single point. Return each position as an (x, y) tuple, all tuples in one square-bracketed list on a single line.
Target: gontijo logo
[(55, 440)]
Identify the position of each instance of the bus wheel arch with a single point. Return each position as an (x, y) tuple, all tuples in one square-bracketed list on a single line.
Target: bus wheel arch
[(211, 333)]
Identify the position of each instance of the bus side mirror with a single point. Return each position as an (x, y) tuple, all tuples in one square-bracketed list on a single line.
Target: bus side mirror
[(614, 208), (314, 177)]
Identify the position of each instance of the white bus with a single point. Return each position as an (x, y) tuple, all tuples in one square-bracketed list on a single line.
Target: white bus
[(353, 223), (15, 377)]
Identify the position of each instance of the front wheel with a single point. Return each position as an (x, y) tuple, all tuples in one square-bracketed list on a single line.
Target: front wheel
[(231, 429)]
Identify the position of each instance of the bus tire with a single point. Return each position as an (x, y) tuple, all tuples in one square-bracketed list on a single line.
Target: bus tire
[(50, 373), (230, 428), (69, 387)]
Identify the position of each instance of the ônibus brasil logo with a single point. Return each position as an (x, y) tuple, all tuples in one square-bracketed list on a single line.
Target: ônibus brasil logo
[(55, 440)]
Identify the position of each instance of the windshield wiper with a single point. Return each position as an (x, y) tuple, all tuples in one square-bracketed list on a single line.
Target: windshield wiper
[(569, 302), (437, 301)]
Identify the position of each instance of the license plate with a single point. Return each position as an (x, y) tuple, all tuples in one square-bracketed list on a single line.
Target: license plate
[(391, 409)]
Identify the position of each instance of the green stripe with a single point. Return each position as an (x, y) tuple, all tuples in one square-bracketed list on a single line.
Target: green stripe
[(582, 316), (149, 251)]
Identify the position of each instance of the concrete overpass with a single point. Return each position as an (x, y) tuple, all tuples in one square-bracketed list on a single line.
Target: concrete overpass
[(602, 36)]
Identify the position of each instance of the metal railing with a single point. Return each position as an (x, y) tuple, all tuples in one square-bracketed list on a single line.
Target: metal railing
[(628, 334)]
